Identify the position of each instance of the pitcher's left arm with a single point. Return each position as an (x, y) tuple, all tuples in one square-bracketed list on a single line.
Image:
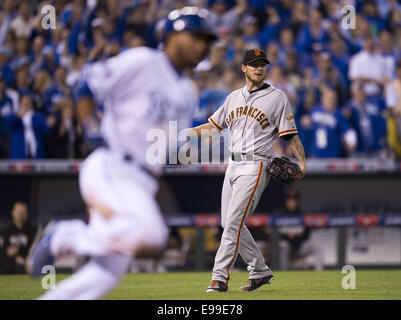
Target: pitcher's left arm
[(298, 150)]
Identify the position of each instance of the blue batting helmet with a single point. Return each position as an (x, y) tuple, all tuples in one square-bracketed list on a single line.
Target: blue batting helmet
[(192, 19)]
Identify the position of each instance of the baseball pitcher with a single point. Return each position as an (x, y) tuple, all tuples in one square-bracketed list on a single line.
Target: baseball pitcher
[(256, 115)]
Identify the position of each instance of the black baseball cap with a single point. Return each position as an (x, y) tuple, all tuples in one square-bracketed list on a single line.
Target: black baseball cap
[(254, 55)]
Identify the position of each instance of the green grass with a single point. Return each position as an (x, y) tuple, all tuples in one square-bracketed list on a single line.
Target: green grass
[(294, 285)]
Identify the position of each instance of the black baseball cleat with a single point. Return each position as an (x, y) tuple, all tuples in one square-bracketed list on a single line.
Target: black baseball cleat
[(255, 284), (217, 286)]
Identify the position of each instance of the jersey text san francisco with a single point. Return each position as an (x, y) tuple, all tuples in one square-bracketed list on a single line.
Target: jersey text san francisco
[(248, 111)]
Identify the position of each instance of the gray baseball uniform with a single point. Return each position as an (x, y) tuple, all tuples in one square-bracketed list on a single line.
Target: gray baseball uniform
[(255, 119)]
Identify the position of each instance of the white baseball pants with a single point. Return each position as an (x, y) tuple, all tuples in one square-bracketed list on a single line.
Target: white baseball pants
[(129, 193)]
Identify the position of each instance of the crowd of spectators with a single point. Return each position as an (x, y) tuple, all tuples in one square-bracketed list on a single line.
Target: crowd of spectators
[(344, 83)]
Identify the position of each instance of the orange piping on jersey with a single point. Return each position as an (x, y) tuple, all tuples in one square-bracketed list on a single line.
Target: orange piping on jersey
[(288, 131), (243, 220), (215, 124)]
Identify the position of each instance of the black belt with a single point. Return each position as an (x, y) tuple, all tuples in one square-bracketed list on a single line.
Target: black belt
[(234, 156), (129, 158), (237, 156)]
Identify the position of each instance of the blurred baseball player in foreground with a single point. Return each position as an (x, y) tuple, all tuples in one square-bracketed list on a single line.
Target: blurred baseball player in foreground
[(142, 89), (255, 114)]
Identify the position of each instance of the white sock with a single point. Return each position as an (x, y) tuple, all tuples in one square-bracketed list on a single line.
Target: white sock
[(75, 237)]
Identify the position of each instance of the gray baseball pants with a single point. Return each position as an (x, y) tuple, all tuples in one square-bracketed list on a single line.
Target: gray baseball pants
[(243, 185)]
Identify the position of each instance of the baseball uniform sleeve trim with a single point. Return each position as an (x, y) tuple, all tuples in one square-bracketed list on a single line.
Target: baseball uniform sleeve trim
[(215, 124), (243, 220), (287, 132)]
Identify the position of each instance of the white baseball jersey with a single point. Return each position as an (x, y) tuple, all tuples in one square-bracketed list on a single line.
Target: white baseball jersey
[(255, 119), (141, 91)]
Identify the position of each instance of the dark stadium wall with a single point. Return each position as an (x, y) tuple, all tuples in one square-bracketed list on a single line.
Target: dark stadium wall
[(57, 196), (363, 193), (15, 188)]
